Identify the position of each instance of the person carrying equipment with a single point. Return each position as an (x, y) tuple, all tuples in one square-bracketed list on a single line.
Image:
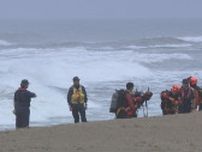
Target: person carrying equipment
[(22, 99), (131, 103), (118, 104), (77, 100), (170, 100), (125, 103)]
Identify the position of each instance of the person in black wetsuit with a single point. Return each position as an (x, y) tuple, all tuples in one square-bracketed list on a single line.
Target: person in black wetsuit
[(22, 99)]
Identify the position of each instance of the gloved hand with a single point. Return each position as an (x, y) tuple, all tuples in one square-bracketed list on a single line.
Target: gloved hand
[(175, 102), (139, 100)]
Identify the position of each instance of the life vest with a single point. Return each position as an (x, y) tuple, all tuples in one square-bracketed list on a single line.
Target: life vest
[(77, 96)]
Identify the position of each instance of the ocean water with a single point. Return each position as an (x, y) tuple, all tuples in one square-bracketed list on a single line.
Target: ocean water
[(105, 55)]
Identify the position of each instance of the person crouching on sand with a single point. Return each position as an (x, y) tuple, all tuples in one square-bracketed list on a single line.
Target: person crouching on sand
[(77, 100), (22, 99)]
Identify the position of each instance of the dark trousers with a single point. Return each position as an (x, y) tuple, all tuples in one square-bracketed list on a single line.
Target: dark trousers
[(22, 118), (185, 107), (121, 113), (79, 109)]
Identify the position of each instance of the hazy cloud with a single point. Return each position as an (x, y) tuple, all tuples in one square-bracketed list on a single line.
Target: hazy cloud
[(66, 9)]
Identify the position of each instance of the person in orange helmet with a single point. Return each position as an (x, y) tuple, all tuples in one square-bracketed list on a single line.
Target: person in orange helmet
[(170, 100), (175, 96)]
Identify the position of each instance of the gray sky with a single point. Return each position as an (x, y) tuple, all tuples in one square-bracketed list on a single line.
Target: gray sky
[(67, 9)]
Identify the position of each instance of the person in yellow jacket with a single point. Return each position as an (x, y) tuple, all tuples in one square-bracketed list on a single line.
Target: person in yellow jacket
[(77, 100)]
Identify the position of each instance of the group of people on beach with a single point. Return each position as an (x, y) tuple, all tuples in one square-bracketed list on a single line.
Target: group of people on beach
[(124, 104), (182, 98)]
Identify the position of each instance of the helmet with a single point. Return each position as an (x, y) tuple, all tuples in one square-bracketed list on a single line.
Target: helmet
[(175, 88), (193, 80)]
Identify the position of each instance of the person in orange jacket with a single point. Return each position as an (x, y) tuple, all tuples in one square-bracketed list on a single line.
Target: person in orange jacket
[(170, 100), (131, 105)]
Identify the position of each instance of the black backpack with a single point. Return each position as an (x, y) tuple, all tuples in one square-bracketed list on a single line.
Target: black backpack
[(117, 100)]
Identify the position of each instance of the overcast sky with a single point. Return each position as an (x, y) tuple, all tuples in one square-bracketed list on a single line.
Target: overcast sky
[(99, 9)]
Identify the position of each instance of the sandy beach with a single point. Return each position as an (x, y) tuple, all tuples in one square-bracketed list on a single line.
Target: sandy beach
[(157, 134)]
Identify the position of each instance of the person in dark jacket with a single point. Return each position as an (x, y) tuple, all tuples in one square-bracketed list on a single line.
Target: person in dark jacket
[(22, 99), (196, 102), (187, 95), (77, 100)]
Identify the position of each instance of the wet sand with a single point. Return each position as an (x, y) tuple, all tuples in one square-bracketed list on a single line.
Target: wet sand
[(182, 133)]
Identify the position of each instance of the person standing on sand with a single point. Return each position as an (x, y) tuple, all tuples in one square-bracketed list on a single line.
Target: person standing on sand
[(131, 103), (77, 100), (196, 102), (187, 95), (170, 100), (22, 99)]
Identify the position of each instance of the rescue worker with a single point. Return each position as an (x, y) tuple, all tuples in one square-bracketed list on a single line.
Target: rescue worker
[(77, 100), (175, 97), (22, 99), (170, 100), (125, 103), (196, 102), (187, 96), (131, 103)]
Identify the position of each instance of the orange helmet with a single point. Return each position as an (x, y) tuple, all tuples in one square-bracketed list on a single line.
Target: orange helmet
[(175, 88), (193, 80)]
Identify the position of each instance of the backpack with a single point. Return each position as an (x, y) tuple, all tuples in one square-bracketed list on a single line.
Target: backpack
[(117, 100)]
